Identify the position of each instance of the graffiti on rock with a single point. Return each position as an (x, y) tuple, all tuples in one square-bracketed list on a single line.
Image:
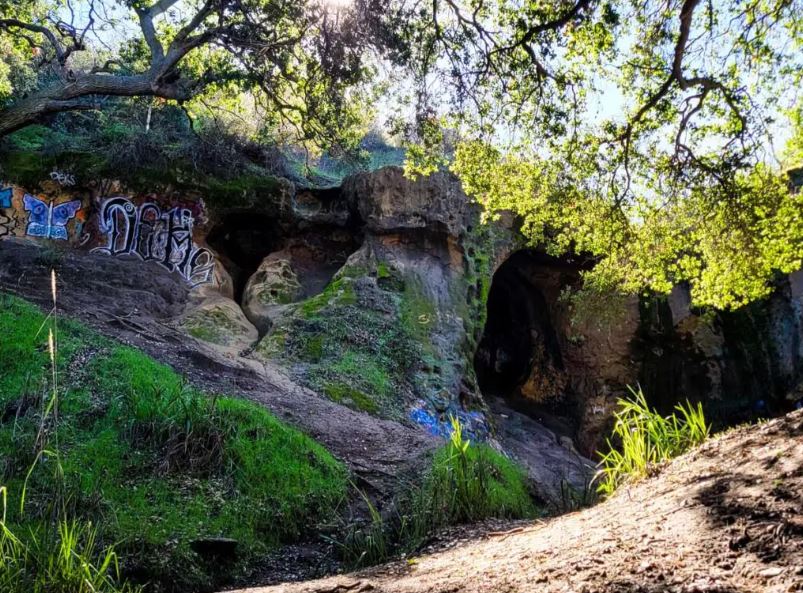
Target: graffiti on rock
[(7, 222), (47, 219), (5, 197), (153, 234), (62, 178)]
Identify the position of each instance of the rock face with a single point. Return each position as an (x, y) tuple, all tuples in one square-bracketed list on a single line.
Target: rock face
[(742, 363), (220, 321), (274, 284), (388, 202), (391, 334), (387, 295)]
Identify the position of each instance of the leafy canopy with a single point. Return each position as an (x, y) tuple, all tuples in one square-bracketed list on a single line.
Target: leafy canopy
[(301, 67), (636, 132)]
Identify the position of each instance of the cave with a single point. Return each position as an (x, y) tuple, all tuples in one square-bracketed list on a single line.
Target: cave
[(519, 356), (242, 240)]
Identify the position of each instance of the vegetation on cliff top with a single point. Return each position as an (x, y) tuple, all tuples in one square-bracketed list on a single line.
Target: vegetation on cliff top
[(641, 134)]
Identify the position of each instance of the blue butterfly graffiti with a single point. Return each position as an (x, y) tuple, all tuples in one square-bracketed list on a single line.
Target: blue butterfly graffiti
[(5, 197), (48, 220)]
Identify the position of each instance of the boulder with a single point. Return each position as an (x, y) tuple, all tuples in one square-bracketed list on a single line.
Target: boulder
[(219, 321), (273, 285)]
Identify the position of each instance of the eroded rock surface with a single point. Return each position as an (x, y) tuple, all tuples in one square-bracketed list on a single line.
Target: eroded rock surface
[(273, 284), (388, 296), (220, 321)]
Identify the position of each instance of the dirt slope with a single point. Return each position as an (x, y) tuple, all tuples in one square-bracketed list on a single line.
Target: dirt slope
[(728, 517), (137, 303)]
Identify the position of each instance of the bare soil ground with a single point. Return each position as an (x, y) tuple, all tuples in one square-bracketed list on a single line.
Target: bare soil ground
[(727, 517)]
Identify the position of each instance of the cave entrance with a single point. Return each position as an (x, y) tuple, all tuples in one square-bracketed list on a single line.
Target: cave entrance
[(242, 240), (519, 355)]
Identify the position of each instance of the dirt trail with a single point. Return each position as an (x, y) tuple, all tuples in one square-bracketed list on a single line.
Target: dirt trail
[(727, 517)]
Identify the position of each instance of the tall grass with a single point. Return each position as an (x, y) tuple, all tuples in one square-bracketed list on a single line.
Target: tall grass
[(465, 483), (645, 439), (57, 554), (154, 463)]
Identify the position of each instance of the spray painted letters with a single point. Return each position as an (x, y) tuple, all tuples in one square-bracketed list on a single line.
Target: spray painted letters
[(7, 222), (62, 178), (151, 234)]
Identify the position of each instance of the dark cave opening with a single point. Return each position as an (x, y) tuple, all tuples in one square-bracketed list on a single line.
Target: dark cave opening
[(520, 362), (519, 338), (242, 240)]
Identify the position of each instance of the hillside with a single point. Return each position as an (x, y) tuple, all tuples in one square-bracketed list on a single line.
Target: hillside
[(726, 517)]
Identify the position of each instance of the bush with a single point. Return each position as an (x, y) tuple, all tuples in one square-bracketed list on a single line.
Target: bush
[(647, 439)]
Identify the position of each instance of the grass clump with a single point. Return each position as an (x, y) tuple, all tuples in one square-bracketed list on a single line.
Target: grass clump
[(473, 482), (647, 439), (64, 559), (152, 462), (466, 483)]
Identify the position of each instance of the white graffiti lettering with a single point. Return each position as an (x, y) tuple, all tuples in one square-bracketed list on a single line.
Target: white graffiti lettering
[(62, 178), (151, 234)]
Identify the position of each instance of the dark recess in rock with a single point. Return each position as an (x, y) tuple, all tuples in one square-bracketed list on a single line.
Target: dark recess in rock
[(242, 240)]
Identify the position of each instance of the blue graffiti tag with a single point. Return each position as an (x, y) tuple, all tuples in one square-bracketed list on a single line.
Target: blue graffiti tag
[(5, 197), (48, 220)]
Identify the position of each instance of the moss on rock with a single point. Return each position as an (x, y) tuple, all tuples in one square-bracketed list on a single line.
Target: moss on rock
[(220, 321)]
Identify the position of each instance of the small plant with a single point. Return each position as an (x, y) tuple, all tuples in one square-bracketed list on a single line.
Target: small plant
[(573, 498), (187, 427), (647, 439), (466, 483), (367, 544), (57, 559)]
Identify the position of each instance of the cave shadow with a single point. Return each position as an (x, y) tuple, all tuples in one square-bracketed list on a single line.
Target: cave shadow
[(519, 358), (242, 239)]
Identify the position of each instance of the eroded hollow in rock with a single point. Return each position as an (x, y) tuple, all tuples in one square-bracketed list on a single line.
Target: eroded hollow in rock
[(519, 345), (242, 240)]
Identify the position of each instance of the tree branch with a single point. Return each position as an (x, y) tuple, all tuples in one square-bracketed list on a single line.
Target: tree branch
[(44, 31)]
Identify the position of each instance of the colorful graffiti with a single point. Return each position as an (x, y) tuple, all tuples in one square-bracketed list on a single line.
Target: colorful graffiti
[(5, 197), (7, 222), (47, 219), (152, 234)]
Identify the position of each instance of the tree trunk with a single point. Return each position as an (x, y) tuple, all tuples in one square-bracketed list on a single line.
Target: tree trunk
[(65, 96)]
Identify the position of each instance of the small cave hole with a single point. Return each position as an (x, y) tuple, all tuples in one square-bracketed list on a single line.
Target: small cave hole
[(243, 240)]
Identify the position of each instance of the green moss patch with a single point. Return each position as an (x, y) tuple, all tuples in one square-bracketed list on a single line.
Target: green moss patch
[(353, 351), (155, 463)]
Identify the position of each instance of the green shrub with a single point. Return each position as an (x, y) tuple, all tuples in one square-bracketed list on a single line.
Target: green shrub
[(646, 439)]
